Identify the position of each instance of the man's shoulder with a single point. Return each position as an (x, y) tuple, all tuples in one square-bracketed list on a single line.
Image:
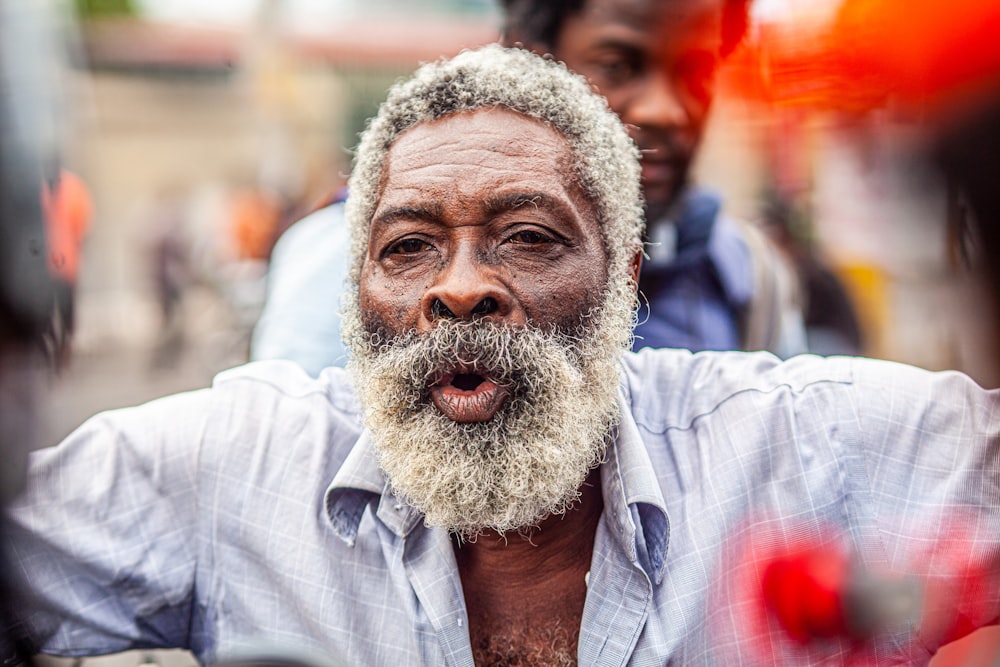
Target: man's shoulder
[(755, 272), (673, 387), (723, 239), (285, 386), (323, 230), (268, 416), (732, 251)]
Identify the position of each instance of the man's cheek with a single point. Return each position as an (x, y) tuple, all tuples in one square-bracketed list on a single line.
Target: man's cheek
[(377, 326)]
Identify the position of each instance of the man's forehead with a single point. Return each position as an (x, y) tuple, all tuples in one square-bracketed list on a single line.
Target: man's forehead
[(494, 119), (492, 160), (653, 15), (480, 141)]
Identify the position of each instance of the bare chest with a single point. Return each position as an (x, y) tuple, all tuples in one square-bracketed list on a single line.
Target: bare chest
[(526, 624), (519, 638)]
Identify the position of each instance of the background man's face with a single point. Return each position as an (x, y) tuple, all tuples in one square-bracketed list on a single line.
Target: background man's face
[(655, 61)]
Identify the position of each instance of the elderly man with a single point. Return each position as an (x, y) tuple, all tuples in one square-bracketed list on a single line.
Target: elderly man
[(495, 480)]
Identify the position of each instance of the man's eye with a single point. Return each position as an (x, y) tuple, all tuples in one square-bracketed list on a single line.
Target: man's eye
[(408, 247), (614, 71), (529, 237)]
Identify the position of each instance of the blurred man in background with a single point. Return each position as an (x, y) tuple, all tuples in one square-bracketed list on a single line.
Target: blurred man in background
[(710, 282), (306, 277), (68, 210)]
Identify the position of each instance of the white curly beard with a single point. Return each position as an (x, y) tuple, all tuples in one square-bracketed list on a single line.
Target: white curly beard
[(526, 463)]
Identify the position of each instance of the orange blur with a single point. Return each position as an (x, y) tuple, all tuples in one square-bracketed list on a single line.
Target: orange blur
[(929, 56)]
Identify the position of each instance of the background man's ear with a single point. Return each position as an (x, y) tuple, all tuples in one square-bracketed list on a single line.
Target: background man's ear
[(634, 266)]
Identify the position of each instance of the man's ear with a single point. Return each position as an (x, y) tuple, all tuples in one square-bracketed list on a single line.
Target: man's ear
[(634, 267)]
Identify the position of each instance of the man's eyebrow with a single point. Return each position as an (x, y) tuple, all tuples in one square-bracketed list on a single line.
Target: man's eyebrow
[(501, 203), (618, 44), (430, 212)]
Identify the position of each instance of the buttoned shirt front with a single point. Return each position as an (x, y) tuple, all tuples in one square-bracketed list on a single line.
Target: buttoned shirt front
[(253, 516)]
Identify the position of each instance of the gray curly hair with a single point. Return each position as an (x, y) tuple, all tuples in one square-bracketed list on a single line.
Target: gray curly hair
[(607, 161)]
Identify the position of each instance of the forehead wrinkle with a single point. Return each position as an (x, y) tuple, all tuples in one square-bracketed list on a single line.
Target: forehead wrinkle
[(496, 203), (430, 212)]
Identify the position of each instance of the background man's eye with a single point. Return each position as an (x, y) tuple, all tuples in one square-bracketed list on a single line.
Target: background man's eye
[(615, 71), (408, 247)]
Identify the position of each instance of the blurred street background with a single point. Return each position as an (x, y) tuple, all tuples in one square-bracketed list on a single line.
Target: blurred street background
[(202, 129)]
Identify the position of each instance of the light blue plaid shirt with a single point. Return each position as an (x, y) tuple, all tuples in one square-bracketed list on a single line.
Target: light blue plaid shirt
[(253, 515)]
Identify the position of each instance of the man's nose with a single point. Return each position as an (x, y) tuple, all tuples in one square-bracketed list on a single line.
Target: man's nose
[(466, 289), (658, 104)]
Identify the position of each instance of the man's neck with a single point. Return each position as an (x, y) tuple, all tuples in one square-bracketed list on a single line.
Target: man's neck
[(551, 544), (524, 589), (668, 209)]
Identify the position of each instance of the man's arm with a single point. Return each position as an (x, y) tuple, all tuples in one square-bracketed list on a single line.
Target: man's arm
[(107, 535), (932, 443)]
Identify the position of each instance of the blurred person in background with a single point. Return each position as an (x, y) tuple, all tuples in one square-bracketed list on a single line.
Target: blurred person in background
[(307, 274), (68, 210), (831, 321), (254, 221), (496, 479), (711, 283), (169, 254), (968, 153)]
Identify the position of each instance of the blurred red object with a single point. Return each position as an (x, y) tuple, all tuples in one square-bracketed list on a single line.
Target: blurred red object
[(818, 593), (805, 593), (804, 589), (929, 56)]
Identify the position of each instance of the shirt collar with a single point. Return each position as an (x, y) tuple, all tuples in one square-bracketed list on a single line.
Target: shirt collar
[(358, 480), (632, 493), (629, 484)]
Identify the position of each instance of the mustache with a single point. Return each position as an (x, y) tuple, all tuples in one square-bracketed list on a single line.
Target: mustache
[(502, 352)]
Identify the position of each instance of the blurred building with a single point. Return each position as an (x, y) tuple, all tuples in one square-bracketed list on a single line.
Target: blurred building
[(202, 110)]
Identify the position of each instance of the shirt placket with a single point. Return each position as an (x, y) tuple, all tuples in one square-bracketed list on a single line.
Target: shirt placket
[(428, 560), (619, 594)]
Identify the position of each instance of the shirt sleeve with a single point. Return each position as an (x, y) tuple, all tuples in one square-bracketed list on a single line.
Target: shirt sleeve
[(106, 533), (931, 443)]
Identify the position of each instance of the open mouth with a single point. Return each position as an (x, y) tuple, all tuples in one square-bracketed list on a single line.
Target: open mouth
[(466, 395), (467, 381)]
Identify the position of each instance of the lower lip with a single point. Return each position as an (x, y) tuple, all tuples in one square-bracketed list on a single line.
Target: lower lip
[(468, 406)]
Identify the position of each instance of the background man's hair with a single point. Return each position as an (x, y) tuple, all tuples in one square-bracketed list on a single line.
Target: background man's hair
[(605, 160), (540, 21)]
